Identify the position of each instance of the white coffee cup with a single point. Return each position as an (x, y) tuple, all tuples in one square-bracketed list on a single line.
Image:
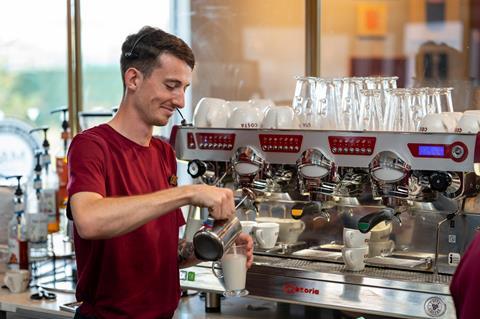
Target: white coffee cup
[(380, 232), (381, 248), (354, 258), (469, 123), (210, 112), (433, 122), (290, 230), (244, 115), (266, 234), (280, 117), (450, 119), (262, 104), (353, 238), (248, 226), (17, 280)]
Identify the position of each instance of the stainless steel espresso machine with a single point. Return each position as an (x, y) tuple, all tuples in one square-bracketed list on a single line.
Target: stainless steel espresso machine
[(417, 193)]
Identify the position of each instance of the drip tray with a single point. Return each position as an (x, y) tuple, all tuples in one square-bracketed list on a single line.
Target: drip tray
[(326, 255), (400, 262)]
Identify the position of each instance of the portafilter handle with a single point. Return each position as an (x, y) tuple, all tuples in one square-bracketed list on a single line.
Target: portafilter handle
[(367, 222)]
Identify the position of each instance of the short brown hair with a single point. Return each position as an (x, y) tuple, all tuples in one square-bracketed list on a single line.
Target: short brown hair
[(141, 50)]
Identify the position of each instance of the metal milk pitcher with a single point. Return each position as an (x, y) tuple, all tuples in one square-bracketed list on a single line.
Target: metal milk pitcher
[(215, 237)]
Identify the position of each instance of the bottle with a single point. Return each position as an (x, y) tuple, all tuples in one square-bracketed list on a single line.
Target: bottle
[(62, 171), (48, 201), (48, 195), (17, 233), (37, 223)]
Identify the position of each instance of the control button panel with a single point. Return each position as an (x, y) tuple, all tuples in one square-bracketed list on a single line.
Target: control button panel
[(191, 141), (352, 145), (281, 143), (215, 141), (456, 151)]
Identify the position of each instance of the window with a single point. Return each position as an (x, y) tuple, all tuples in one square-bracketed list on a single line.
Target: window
[(33, 61), (433, 43)]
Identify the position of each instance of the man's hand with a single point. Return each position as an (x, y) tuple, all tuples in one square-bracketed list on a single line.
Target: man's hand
[(218, 200), (244, 239)]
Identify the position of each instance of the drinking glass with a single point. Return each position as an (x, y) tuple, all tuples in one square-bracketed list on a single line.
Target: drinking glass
[(232, 271), (443, 100), (304, 100), (350, 105), (326, 117), (337, 87), (371, 113), (398, 114), (430, 100), (417, 106)]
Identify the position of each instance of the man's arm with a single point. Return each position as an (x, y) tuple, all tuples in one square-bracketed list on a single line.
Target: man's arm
[(97, 217), (186, 255)]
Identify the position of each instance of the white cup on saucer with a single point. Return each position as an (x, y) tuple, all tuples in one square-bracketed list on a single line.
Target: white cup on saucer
[(353, 238), (266, 234), (244, 115), (469, 123), (433, 122), (354, 258), (381, 231), (262, 104), (210, 112), (290, 230), (248, 226), (280, 117), (381, 248), (450, 119)]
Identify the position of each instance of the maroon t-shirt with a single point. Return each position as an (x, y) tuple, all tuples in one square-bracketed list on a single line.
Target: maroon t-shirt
[(465, 286), (134, 275)]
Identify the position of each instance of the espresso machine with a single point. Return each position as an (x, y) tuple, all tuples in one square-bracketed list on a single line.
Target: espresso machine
[(417, 191)]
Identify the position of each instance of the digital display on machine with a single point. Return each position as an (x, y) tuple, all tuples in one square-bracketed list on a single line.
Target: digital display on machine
[(429, 150)]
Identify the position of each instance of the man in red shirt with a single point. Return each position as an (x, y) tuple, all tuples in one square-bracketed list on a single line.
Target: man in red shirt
[(465, 286), (123, 202)]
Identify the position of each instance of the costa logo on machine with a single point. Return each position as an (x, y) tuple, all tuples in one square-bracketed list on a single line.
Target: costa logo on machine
[(291, 289), (435, 307)]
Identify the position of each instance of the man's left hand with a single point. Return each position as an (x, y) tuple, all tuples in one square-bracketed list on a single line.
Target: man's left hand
[(244, 239)]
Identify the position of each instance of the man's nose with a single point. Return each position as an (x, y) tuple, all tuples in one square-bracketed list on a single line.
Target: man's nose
[(179, 99)]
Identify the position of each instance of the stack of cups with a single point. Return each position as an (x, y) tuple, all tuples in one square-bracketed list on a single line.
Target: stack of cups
[(380, 243), (355, 249)]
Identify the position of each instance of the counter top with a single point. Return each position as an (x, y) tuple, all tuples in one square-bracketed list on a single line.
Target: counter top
[(21, 304)]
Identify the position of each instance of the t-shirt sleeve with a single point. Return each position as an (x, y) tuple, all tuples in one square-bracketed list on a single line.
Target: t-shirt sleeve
[(86, 166)]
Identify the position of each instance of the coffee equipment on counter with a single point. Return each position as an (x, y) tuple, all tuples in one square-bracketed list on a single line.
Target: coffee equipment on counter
[(406, 188)]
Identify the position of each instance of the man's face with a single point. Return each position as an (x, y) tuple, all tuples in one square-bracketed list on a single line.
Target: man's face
[(159, 94)]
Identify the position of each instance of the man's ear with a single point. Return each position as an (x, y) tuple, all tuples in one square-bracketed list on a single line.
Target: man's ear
[(133, 78)]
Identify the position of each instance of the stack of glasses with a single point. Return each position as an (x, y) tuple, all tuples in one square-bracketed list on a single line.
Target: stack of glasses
[(366, 103)]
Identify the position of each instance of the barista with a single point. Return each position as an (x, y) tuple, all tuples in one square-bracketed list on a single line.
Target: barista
[(465, 286), (123, 195)]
